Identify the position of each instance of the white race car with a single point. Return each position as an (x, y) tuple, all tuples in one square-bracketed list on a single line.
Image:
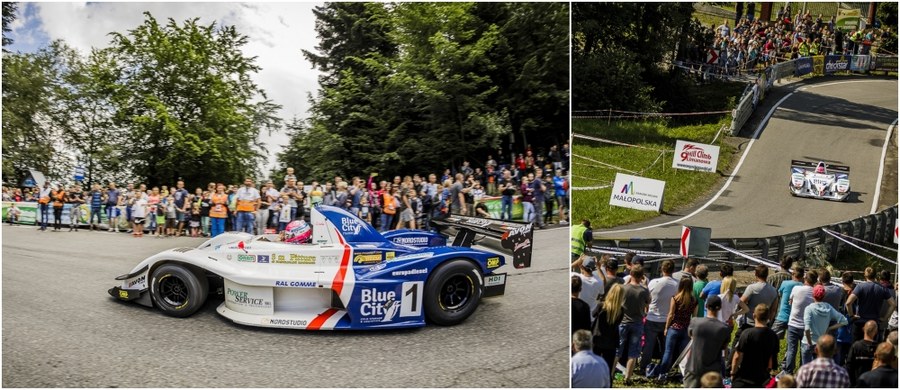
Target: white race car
[(820, 180)]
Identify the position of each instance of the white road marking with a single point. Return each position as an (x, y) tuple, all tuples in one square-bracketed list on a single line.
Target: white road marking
[(887, 140)]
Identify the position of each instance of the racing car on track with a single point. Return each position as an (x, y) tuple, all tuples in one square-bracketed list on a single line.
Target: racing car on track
[(819, 180), (348, 277)]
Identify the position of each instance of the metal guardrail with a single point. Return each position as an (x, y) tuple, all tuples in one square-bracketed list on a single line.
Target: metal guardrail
[(757, 89), (812, 243)]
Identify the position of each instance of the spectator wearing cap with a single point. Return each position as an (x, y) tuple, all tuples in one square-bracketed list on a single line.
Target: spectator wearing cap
[(816, 319), (588, 370), (637, 300), (884, 375), (591, 285), (581, 311), (662, 289), (690, 267), (823, 372), (801, 297), (709, 339)]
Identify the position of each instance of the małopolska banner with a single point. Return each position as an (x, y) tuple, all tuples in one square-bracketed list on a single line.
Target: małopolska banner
[(804, 65), (637, 192), (695, 156), (836, 64)]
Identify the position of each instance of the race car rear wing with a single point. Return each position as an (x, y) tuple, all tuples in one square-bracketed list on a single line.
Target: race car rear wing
[(812, 165), (515, 237)]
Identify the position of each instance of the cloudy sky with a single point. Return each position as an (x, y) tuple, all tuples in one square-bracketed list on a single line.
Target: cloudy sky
[(277, 33)]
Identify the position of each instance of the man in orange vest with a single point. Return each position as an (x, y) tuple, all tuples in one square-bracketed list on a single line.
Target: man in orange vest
[(248, 201)]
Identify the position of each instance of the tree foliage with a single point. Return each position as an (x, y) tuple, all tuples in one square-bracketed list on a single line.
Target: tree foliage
[(184, 94), (9, 16), (421, 86)]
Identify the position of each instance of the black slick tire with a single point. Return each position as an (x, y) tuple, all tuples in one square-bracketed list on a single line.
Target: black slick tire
[(452, 292), (177, 291)]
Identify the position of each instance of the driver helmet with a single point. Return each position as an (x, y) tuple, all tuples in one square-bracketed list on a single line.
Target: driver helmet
[(297, 232), (820, 168)]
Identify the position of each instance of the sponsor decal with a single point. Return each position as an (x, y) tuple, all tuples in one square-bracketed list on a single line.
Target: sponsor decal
[(246, 258), (637, 192), (301, 284), (367, 257), (350, 226), (480, 222), (262, 259), (378, 306), (284, 322), (377, 267), (836, 63), (414, 256), (493, 262), (123, 294), (410, 272), (695, 156), (494, 280), (243, 298), (138, 281), (389, 255), (410, 240), (293, 258)]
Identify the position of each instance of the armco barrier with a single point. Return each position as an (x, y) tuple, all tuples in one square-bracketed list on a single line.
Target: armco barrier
[(813, 243), (822, 65)]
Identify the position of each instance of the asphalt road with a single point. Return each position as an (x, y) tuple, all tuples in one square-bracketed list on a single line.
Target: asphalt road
[(840, 122), (62, 329)]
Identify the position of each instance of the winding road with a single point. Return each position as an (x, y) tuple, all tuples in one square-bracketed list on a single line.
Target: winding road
[(839, 122)]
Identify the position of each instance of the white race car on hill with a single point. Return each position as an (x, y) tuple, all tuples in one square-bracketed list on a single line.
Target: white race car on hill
[(820, 180)]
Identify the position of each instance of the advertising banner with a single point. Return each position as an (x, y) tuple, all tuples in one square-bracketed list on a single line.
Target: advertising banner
[(804, 66), (494, 205), (695, 156), (860, 64), (818, 65), (30, 214), (885, 64), (637, 192), (836, 64)]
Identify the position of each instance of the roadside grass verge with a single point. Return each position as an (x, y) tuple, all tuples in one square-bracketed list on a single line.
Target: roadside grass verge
[(682, 187)]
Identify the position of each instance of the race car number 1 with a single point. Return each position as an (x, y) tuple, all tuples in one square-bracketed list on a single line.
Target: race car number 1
[(411, 300)]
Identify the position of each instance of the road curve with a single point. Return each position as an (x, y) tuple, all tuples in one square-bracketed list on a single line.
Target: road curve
[(61, 329), (840, 122)]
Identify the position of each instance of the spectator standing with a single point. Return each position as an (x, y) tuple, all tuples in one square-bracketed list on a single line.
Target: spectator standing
[(284, 213), (690, 267), (755, 353), (834, 294), (783, 274), (290, 189), (128, 201), (732, 305), (13, 213), (709, 338), (96, 199), (823, 372), (407, 212), (816, 319), (389, 209), (272, 196), (218, 211), (457, 196), (138, 213), (713, 287), (289, 175), (683, 305), (262, 213), (248, 200), (205, 206), (153, 200), (754, 295), (592, 286), (699, 285), (870, 296), (560, 190), (507, 191), (548, 200), (537, 192), (662, 289), (784, 306), (565, 156), (180, 195), (581, 311), (44, 201), (862, 352), (527, 199), (637, 300), (59, 202), (884, 375), (171, 216), (588, 370), (608, 316), (801, 297), (75, 201)]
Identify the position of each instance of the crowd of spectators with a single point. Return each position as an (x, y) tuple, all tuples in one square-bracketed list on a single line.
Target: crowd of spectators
[(539, 182), (752, 44), (845, 333)]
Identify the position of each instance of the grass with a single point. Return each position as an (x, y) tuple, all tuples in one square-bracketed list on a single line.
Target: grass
[(682, 187)]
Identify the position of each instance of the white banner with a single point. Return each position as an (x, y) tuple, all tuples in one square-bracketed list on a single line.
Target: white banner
[(695, 156), (637, 192)]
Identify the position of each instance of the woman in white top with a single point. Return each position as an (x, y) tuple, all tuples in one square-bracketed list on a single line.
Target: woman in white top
[(732, 305), (139, 213)]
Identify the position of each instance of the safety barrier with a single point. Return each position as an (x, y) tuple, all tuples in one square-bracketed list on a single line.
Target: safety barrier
[(815, 65), (815, 244)]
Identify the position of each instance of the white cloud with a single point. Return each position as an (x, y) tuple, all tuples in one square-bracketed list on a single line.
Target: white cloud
[(277, 33)]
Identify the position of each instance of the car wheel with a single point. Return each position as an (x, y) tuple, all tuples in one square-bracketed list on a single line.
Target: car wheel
[(177, 291), (453, 292)]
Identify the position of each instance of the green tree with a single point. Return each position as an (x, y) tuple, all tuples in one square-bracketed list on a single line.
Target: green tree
[(9, 16), (185, 96)]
